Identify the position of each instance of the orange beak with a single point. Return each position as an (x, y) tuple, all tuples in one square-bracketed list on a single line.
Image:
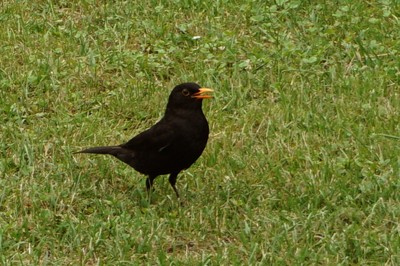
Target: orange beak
[(201, 94)]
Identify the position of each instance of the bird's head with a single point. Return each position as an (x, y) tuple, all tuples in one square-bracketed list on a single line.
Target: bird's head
[(188, 95)]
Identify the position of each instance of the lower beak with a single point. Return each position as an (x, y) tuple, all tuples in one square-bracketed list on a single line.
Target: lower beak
[(201, 94)]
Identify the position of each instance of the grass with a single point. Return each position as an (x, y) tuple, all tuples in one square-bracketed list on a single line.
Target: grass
[(303, 161)]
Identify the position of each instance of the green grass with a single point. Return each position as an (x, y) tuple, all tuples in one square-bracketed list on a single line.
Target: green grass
[(303, 161)]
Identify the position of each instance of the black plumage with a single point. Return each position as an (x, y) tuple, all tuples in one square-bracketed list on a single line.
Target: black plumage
[(172, 144)]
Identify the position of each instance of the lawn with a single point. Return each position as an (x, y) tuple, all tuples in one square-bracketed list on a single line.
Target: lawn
[(302, 166)]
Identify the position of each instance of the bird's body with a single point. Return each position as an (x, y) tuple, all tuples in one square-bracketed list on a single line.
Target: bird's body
[(171, 145)]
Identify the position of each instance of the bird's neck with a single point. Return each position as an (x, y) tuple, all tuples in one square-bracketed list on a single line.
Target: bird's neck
[(182, 112)]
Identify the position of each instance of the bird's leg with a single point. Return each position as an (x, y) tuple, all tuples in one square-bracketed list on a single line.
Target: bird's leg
[(172, 181), (149, 183)]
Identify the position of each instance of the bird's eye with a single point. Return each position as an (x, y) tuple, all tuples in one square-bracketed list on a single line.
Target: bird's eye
[(185, 92)]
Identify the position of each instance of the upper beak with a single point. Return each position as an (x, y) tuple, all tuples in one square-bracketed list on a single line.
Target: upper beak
[(201, 95)]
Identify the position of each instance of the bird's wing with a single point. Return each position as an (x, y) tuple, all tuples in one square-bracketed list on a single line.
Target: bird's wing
[(156, 138)]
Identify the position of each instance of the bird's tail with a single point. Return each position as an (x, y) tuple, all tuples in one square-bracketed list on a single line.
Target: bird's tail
[(113, 150)]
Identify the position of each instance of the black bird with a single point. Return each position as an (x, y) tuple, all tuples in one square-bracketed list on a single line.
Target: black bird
[(172, 144)]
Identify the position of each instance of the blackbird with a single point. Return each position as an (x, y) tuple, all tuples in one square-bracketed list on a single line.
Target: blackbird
[(172, 144)]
